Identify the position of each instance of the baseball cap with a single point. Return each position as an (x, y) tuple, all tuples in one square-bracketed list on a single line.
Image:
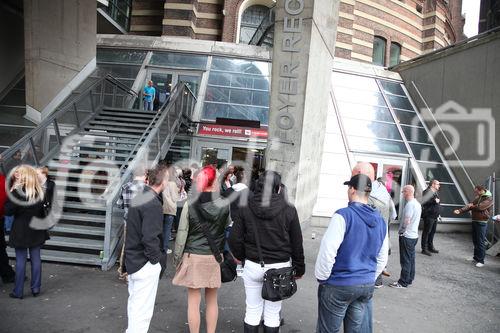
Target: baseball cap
[(360, 182)]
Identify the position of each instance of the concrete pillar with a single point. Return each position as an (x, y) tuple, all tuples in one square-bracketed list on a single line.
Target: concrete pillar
[(304, 46), (60, 50)]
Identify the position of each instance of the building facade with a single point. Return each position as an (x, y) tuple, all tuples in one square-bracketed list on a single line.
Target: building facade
[(384, 32), (489, 15)]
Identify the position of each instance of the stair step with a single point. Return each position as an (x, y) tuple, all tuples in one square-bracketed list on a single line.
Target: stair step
[(61, 184), (89, 160), (126, 114), (94, 198), (119, 123), (112, 135), (98, 145), (75, 173), (99, 165), (80, 243), (136, 120), (78, 229), (101, 137), (134, 111), (83, 217), (112, 130), (64, 256), (75, 153), (81, 206)]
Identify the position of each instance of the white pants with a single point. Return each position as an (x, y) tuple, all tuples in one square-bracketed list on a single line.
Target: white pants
[(142, 287), (253, 276)]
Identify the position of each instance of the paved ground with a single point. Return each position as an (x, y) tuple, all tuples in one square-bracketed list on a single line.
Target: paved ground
[(449, 295)]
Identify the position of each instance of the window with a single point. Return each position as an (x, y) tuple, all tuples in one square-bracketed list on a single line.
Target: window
[(395, 54), (250, 21), (379, 50)]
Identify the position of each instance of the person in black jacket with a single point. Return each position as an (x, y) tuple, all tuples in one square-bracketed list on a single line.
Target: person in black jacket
[(25, 202), (430, 214), (144, 257), (278, 228)]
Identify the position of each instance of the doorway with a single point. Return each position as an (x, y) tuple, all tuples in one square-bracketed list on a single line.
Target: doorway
[(393, 172)]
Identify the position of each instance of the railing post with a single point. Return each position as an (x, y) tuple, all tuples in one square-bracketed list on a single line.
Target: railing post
[(33, 151), (113, 100), (58, 134), (92, 106), (76, 115)]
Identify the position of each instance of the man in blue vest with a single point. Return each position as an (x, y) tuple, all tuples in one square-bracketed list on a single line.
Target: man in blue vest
[(149, 96), (353, 253)]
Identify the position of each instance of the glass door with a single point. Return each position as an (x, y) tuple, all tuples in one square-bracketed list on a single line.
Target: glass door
[(392, 173), (165, 80)]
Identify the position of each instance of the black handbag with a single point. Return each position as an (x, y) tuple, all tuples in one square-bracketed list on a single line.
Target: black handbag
[(279, 283), (226, 261)]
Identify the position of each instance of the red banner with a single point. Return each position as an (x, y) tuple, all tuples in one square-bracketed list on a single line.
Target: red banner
[(233, 131)]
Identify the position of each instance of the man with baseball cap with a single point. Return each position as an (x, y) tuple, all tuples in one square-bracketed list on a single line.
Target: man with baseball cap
[(352, 254)]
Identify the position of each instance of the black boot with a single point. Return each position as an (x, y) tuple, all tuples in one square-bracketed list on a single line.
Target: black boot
[(426, 252), (432, 249), (271, 329), (250, 329)]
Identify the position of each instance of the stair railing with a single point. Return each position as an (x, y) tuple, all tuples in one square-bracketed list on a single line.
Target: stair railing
[(265, 25), (44, 141), (151, 146)]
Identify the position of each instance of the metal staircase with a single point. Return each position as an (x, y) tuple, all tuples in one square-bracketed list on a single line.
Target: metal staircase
[(92, 161)]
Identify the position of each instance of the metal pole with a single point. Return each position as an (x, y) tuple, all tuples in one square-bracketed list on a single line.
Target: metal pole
[(76, 115)]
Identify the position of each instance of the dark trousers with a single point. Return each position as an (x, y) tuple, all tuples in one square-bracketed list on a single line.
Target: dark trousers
[(342, 304), (6, 271), (478, 239), (427, 241), (36, 269), (407, 260)]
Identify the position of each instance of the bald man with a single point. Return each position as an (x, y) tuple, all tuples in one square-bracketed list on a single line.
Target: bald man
[(408, 237)]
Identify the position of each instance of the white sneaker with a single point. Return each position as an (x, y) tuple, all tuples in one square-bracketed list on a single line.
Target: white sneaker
[(479, 264), (169, 251)]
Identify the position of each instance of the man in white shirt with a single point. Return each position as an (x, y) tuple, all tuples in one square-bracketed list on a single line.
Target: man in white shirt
[(408, 237)]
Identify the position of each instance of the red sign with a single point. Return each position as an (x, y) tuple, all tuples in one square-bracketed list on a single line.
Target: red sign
[(233, 131)]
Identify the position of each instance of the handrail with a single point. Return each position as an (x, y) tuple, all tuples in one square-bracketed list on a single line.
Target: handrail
[(121, 85), (124, 174), (52, 118)]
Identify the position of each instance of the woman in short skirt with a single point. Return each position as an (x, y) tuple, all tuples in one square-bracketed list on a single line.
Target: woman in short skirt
[(199, 269)]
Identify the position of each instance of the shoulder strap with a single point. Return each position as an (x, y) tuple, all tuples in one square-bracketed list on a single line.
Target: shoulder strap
[(257, 240), (206, 232)]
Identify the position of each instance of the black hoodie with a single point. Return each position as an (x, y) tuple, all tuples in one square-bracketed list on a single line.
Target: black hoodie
[(279, 232)]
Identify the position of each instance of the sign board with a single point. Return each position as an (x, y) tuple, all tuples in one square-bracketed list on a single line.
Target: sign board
[(232, 131)]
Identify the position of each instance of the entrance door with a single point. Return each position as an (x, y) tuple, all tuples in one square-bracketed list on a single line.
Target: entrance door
[(165, 80), (392, 172)]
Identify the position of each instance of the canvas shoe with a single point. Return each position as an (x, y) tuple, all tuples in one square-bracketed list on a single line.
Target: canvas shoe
[(479, 264), (396, 285)]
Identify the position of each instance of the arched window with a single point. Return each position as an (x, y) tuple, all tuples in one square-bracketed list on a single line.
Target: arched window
[(395, 54), (379, 50), (250, 21)]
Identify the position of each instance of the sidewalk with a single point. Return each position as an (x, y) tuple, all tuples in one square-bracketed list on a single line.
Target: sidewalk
[(449, 295)]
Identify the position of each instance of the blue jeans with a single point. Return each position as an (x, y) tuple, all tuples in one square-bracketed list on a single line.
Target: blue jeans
[(367, 325), (337, 304), (36, 270), (407, 260), (148, 105), (168, 220), (478, 239)]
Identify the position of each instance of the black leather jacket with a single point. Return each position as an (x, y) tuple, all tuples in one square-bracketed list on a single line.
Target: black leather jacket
[(214, 210)]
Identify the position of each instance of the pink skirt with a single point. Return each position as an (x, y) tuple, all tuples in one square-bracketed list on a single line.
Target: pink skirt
[(198, 271)]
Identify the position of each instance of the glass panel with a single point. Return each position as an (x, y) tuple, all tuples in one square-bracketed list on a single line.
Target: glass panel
[(211, 111), (121, 71), (359, 96), (425, 153), (371, 129), (435, 171), (11, 134), (400, 102), (179, 60), (379, 51), (253, 156), (447, 211), (392, 178), (355, 82), (121, 56), (240, 66), (179, 150), (214, 156), (449, 194), (392, 87), (407, 117), (162, 82), (365, 144), (416, 134), (365, 112), (192, 81), (395, 54), (250, 21)]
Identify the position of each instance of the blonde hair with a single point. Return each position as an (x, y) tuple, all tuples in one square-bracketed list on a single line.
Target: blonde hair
[(29, 183)]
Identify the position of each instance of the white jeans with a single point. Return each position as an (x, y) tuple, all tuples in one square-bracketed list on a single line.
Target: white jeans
[(253, 276), (142, 287)]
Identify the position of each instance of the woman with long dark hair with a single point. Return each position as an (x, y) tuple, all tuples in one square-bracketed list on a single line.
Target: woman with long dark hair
[(26, 199), (278, 229), (206, 212)]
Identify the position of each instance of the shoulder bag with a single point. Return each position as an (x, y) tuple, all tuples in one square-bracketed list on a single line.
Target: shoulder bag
[(279, 283), (226, 260)]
